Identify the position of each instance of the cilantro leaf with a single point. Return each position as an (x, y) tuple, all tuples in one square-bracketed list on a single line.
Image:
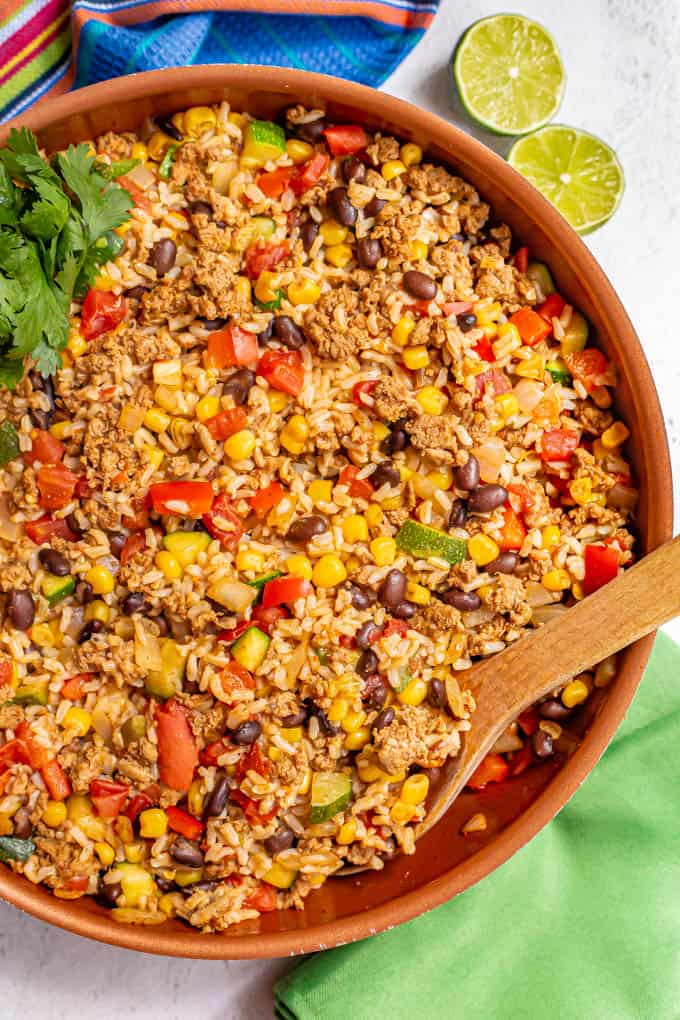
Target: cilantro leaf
[(103, 206), (49, 213), (11, 372)]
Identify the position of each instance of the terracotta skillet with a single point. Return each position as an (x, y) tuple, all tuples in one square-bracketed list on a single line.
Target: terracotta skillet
[(446, 863)]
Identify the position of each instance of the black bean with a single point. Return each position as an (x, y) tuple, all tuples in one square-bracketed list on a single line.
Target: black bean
[(308, 233), (458, 515), (503, 564), (554, 710), (187, 853), (288, 332), (90, 628), (542, 744), (201, 208), (369, 252), (247, 733), (377, 694), (84, 592), (23, 827), (362, 598), (405, 610), (135, 293), (467, 476), (397, 441), (294, 719), (166, 125), (134, 603), (384, 719), (385, 474), (366, 631), (54, 562), (353, 170), (311, 131), (306, 528), (212, 324), (165, 884), (437, 693), (465, 601), (341, 207), (109, 893), (72, 521), (20, 608), (466, 321), (117, 540), (486, 498), (392, 590), (163, 255), (283, 839), (367, 663), (163, 625), (43, 385), (40, 419), (325, 725), (372, 208), (239, 384), (267, 333), (217, 800), (419, 285)]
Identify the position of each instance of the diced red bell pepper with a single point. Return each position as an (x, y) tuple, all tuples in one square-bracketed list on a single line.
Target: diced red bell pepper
[(559, 444), (231, 347), (45, 448), (590, 367), (251, 808), (347, 641), (102, 311), (358, 488), (234, 678), (223, 523), (267, 618), (211, 753), (46, 528), (310, 173), (263, 899), (234, 633), (267, 498), (456, 307), (14, 752), (134, 544), (602, 566), (37, 756), (532, 327), (181, 821), (528, 721), (227, 423), (108, 797), (140, 519), (177, 752), (492, 769), (484, 349), (57, 782), (522, 259), (186, 499), (73, 688), (521, 760), (138, 803), (262, 256), (252, 761), (137, 195), (363, 389), (513, 531), (56, 485), (345, 139), (552, 307), (284, 590), (283, 370), (274, 183), (392, 627)]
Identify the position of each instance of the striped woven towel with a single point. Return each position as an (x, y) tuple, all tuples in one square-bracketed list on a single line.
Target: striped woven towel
[(49, 46)]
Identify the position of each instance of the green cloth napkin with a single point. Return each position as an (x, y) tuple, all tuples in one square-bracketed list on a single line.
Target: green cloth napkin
[(582, 924)]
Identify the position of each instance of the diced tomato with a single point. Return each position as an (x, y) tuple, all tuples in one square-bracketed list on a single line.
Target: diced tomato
[(522, 259), (261, 256), (345, 139), (102, 311), (184, 823), (310, 173), (108, 796), (37, 756), (252, 761), (56, 485), (45, 448), (76, 883), (73, 688), (235, 677), (227, 423), (177, 753), (559, 444), (251, 808), (358, 488), (513, 531), (234, 633), (392, 627), (456, 307), (267, 498), (274, 184), (57, 782), (532, 327), (46, 528), (135, 192), (138, 803), (521, 760), (14, 752), (134, 544), (186, 499), (363, 389), (602, 566), (284, 590), (230, 347), (347, 641), (590, 367), (6, 672), (492, 381), (283, 370), (266, 618), (521, 497), (420, 308), (211, 753), (492, 769), (484, 349), (263, 899), (528, 721), (140, 519), (223, 523), (552, 307)]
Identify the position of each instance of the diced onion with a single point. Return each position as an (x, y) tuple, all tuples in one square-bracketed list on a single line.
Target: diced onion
[(491, 457), (529, 393), (8, 529), (295, 663), (508, 741), (141, 176), (147, 649), (233, 595), (537, 595)]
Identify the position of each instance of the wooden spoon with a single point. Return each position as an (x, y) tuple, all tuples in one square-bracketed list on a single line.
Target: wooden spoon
[(630, 606)]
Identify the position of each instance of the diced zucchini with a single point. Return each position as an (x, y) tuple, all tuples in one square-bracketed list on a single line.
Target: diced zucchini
[(32, 693), (331, 792), (259, 582), (165, 165), (166, 681), (12, 849), (280, 877), (9, 443), (322, 655), (251, 648), (559, 372), (539, 274), (263, 226), (185, 546), (422, 542), (576, 336), (262, 141), (235, 596), (133, 729), (57, 588)]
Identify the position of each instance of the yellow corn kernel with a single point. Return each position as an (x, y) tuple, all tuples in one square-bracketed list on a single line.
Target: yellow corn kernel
[(577, 591), (393, 168), (418, 593), (105, 853), (352, 721), (77, 345), (55, 813), (77, 719), (384, 551), (275, 753), (97, 610), (101, 579), (122, 826), (373, 515), (380, 431), (165, 398), (431, 398), (299, 566), (415, 789), (305, 782), (250, 559), (154, 456), (418, 250), (290, 444), (158, 145), (442, 478), (134, 851), (551, 536), (280, 877), (508, 331), (581, 491), (294, 434), (241, 445), (487, 312), (614, 435), (156, 420), (139, 151), (357, 739), (291, 734), (403, 330), (411, 154), (416, 357), (320, 491), (605, 671), (507, 404), (198, 120), (244, 289), (339, 255), (347, 832), (355, 528), (298, 150), (188, 876), (402, 813), (78, 806), (414, 693), (277, 401), (153, 823), (169, 902), (207, 407), (169, 565), (530, 368), (6, 825), (61, 429), (556, 580), (239, 119), (339, 708), (329, 571), (332, 232), (305, 292), (266, 286), (575, 693), (482, 549)]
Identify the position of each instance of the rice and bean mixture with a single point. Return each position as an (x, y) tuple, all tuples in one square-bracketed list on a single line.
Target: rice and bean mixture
[(323, 436)]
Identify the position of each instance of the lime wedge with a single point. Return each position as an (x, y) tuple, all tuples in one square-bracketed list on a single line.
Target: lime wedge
[(577, 172), (509, 74)]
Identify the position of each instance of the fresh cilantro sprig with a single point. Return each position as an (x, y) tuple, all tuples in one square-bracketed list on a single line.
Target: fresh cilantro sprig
[(55, 224)]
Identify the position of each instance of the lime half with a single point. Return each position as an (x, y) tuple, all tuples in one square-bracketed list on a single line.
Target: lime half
[(509, 74), (580, 174)]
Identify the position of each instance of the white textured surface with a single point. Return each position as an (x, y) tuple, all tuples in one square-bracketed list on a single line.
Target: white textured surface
[(624, 79)]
